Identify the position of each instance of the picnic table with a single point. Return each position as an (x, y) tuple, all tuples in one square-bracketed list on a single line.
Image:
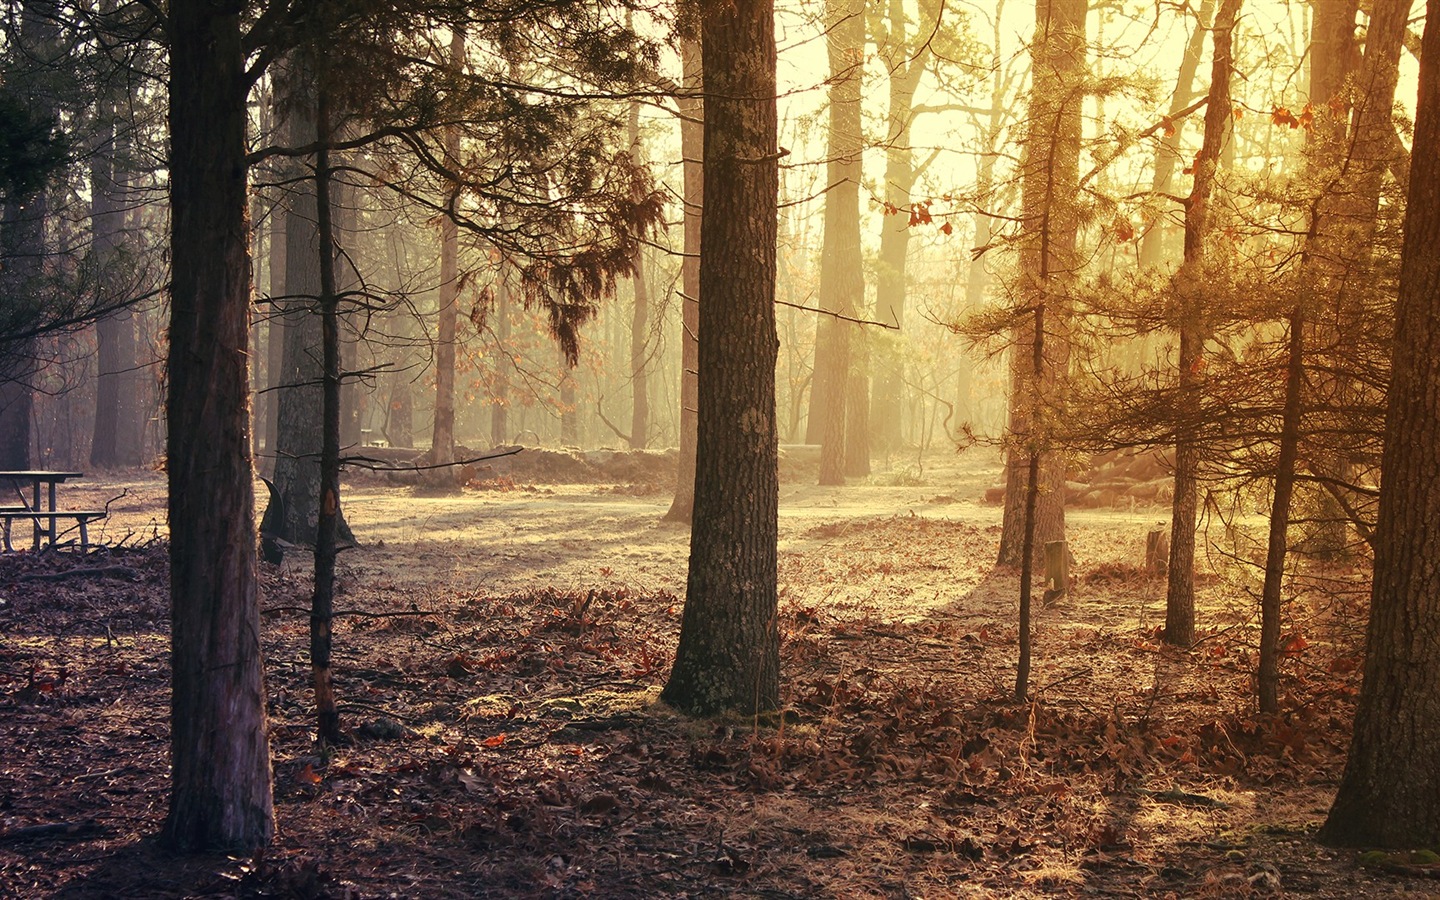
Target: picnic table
[(37, 492)]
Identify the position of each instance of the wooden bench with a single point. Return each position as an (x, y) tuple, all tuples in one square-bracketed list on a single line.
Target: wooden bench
[(81, 517)]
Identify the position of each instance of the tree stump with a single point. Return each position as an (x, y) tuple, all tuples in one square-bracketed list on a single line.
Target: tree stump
[(1157, 553), (1057, 571)]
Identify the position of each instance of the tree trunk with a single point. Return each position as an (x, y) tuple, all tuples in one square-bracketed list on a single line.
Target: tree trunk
[(639, 325), (22, 232), (1152, 243), (1390, 793), (442, 440), (322, 604), (692, 134), (1190, 299), (906, 63), (275, 332), (976, 277), (729, 652), (569, 413), (1342, 264), (500, 406), (116, 439), (1049, 184), (842, 284), (299, 436), (220, 750), (1269, 674)]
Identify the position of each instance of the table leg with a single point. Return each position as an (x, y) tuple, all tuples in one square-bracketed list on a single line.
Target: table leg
[(37, 507)]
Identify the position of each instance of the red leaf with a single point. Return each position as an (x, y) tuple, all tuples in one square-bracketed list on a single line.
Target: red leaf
[(947, 228), (495, 741)]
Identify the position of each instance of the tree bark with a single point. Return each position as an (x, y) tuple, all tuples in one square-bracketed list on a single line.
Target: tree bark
[(115, 440), (22, 233), (729, 651), (639, 325), (1190, 296), (692, 134), (842, 284), (1152, 243), (442, 439), (275, 332), (300, 421), (1049, 184), (1390, 793), (220, 751), (500, 402), (905, 62)]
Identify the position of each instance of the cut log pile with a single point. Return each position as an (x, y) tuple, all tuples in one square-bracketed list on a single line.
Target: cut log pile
[(1124, 479)]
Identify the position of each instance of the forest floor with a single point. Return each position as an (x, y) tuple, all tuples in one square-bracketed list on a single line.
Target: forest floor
[(499, 681)]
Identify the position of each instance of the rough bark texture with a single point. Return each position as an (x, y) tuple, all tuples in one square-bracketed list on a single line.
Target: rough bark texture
[(1190, 296), (220, 750), (842, 284), (1050, 177), (692, 148), (1390, 793), (729, 652)]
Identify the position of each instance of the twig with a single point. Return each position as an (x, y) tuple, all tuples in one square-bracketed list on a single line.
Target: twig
[(379, 465), (1079, 673), (53, 829), (121, 572), (823, 312), (351, 612)]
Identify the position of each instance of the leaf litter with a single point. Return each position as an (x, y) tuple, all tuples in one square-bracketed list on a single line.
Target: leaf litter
[(504, 735)]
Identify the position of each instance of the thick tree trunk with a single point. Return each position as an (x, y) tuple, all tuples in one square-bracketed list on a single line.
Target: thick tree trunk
[(692, 148), (729, 652), (1049, 184), (1342, 263), (1190, 300), (220, 751), (842, 283), (1390, 793)]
